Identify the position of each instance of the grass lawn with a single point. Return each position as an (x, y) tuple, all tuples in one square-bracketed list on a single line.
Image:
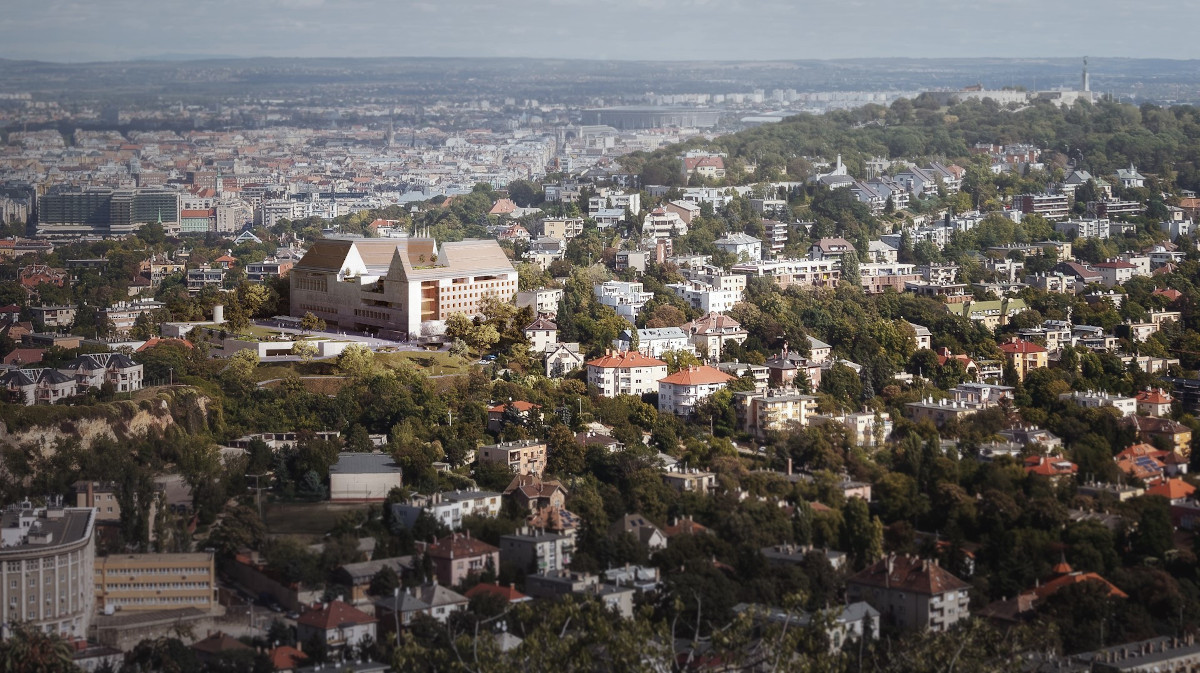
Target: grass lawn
[(433, 363)]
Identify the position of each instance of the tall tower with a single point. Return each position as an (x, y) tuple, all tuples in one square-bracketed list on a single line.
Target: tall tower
[(1087, 83)]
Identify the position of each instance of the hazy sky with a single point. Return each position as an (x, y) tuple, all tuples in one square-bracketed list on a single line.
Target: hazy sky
[(64, 30)]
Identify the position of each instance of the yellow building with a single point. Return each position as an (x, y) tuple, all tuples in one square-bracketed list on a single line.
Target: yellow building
[(1024, 356), (142, 582), (759, 413)]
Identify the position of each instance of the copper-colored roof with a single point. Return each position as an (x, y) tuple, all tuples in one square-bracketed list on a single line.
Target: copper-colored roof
[(506, 592), (326, 255), (1173, 489), (697, 376), (1021, 347), (1153, 396), (458, 545)]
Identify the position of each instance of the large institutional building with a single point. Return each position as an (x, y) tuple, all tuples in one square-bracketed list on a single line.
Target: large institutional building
[(394, 286), (46, 558)]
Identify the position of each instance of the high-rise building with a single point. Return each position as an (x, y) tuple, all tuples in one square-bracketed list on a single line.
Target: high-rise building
[(103, 211)]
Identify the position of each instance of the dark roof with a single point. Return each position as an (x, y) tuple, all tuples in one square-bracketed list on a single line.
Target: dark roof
[(909, 573), (332, 615)]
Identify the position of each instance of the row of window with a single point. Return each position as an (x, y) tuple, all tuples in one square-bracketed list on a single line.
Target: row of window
[(147, 586)]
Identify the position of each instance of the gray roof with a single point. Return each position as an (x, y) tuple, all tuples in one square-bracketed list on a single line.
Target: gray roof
[(363, 572), (365, 463), (737, 239)]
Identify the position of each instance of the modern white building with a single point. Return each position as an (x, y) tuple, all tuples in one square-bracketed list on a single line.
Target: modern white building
[(1094, 399), (363, 477), (741, 246), (627, 299), (654, 341), (663, 223)]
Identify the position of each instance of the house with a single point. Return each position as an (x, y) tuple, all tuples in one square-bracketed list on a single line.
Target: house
[(525, 456), (681, 392), (358, 576), (1130, 177), (741, 246), (506, 592), (1024, 356), (37, 386), (772, 411), (864, 428), (1094, 399), (433, 600), (1168, 432), (625, 373), (24, 356), (709, 333), (1144, 462), (1023, 607), (641, 529), (710, 167), (685, 526), (911, 593), (205, 277), (654, 341), (830, 248), (843, 625), (1154, 402), (448, 507), (364, 477), (566, 582), (690, 480), (663, 223), (969, 367), (536, 551), (562, 359), (541, 334), (627, 299), (531, 492), (1052, 468), (1115, 271), (336, 624), (521, 410), (218, 646), (686, 210), (457, 557), (286, 659)]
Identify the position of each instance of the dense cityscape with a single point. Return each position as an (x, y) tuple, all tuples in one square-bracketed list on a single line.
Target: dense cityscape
[(468, 365)]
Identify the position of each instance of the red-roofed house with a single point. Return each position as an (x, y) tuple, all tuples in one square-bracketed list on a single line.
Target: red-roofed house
[(1142, 461), (1154, 402), (336, 623), (625, 373), (944, 355), (1176, 435), (1054, 468), (505, 592), (158, 341), (1170, 294), (225, 261), (24, 356), (708, 167), (1024, 356), (458, 556), (525, 410), (679, 393), (286, 658), (1114, 272), (503, 207), (1175, 490), (1024, 605)]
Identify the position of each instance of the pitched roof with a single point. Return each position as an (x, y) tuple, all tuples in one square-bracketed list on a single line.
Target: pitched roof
[(697, 376), (1049, 467), (1173, 489), (503, 206), (507, 592), (1013, 347), (541, 324), (625, 359), (458, 545), (332, 615), (220, 642), (286, 657), (24, 356), (1154, 396), (520, 405), (909, 573)]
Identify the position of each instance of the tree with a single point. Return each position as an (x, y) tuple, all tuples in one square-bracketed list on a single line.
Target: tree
[(357, 361), (239, 373), (564, 455), (850, 272), (311, 323), (384, 582), (306, 350), (28, 649), (240, 528), (678, 359)]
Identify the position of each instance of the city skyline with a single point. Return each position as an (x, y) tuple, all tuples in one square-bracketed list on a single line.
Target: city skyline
[(685, 30)]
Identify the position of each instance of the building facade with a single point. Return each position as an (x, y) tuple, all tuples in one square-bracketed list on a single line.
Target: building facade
[(46, 568), (144, 582)]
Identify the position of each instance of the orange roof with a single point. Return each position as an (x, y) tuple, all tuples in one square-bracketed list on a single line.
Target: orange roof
[(1049, 467), (697, 376), (225, 258), (506, 592), (197, 213), (457, 545), (157, 341), (1169, 293), (1052, 587), (626, 359), (286, 657), (520, 405), (1173, 489), (503, 206), (1153, 396)]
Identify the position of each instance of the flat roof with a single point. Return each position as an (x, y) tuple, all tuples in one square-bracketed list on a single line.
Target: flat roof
[(365, 463)]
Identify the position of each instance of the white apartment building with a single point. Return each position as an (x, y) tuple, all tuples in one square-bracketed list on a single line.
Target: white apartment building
[(543, 301), (679, 393), (625, 373), (1094, 399), (627, 299), (662, 223), (654, 341), (741, 246), (786, 272), (706, 297)]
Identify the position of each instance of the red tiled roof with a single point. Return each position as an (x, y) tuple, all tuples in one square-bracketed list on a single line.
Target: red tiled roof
[(157, 341), (697, 376), (503, 206), (24, 356), (1049, 467), (458, 545), (1115, 264), (332, 614), (1173, 489), (626, 359), (197, 213), (286, 657), (506, 592), (1021, 347), (1053, 586), (1169, 293)]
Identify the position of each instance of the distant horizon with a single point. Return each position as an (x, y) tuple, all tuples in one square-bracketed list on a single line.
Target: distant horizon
[(70, 31), (199, 58)]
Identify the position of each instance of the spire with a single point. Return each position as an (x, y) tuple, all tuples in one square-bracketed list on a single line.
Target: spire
[(1087, 84), (160, 217)]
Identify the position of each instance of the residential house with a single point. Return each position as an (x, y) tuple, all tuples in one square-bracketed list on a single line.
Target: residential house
[(681, 392), (517, 409), (336, 624), (642, 530), (457, 557), (531, 492), (525, 456), (1177, 436), (627, 299), (1093, 399), (535, 551), (741, 246), (625, 373), (562, 359), (912, 593), (1154, 402), (654, 341), (709, 333), (1024, 356), (541, 334), (772, 411), (663, 223)]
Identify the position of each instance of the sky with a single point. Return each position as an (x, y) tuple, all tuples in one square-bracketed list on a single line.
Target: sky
[(115, 30)]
